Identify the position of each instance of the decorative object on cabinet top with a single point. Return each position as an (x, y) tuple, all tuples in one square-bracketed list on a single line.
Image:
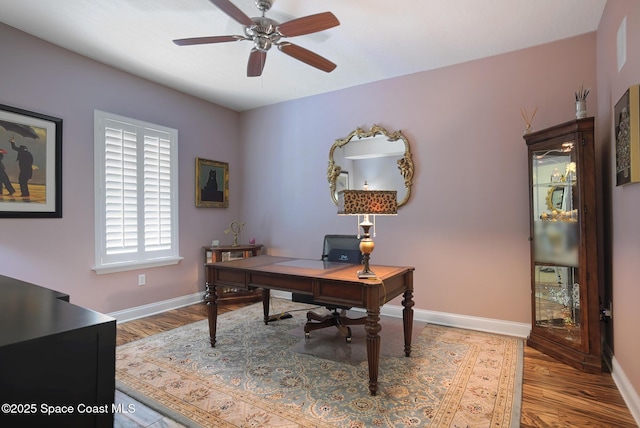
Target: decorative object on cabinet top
[(527, 120), (369, 156), (235, 227), (581, 102)]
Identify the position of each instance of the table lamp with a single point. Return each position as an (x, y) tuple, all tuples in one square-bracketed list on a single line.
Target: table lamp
[(367, 203)]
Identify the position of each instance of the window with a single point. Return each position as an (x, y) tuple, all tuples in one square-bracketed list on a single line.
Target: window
[(136, 194)]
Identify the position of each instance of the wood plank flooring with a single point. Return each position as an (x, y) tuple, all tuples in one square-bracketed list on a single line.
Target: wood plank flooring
[(553, 395)]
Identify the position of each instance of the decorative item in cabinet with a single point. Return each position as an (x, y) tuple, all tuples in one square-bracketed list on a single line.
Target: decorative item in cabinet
[(564, 254), (233, 252)]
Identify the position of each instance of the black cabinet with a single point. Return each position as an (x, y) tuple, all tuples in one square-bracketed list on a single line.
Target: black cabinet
[(57, 360)]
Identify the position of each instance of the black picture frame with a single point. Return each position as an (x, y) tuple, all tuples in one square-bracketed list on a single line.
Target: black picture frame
[(31, 148), (212, 184)]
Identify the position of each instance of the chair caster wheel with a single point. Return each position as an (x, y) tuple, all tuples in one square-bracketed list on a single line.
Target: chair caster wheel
[(348, 338), (307, 335)]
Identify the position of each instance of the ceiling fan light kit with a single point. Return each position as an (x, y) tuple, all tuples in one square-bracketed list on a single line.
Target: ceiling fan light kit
[(265, 32)]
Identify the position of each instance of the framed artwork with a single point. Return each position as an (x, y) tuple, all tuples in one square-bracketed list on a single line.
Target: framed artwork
[(30, 164), (627, 132), (212, 184)]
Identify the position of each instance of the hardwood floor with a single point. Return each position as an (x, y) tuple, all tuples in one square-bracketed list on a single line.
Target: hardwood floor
[(556, 395), (553, 394)]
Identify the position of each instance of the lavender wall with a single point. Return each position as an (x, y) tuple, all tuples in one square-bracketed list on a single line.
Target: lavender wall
[(622, 204), (466, 226), (59, 253)]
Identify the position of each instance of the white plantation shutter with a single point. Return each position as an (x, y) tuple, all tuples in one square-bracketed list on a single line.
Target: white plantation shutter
[(120, 188), (157, 192), (136, 194)]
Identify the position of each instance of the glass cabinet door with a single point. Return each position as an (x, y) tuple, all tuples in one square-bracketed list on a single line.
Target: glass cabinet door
[(556, 235)]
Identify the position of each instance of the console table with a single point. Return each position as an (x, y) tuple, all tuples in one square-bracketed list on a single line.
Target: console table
[(53, 353), (327, 282), (216, 254)]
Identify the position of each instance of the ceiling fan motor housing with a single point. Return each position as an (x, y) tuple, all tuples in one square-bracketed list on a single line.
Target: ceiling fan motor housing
[(263, 33)]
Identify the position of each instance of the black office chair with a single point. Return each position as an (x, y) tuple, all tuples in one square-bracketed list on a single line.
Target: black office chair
[(342, 249)]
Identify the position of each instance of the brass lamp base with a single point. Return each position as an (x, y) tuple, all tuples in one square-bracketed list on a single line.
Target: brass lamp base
[(366, 248), (364, 274)]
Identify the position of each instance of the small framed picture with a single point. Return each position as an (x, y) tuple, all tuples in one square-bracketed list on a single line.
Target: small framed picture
[(212, 184), (627, 133), (30, 164)]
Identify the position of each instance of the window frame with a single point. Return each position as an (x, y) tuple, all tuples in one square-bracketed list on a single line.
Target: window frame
[(138, 258)]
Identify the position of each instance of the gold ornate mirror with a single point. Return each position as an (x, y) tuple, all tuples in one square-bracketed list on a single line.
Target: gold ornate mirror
[(554, 198), (377, 158)]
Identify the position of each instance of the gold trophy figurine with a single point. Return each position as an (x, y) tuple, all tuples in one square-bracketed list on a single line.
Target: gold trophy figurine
[(235, 227)]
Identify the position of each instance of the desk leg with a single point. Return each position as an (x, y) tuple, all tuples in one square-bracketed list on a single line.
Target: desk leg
[(372, 327), (266, 293), (407, 313), (211, 297)]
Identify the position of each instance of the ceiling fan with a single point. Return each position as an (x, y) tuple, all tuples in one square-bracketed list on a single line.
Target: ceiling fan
[(265, 33)]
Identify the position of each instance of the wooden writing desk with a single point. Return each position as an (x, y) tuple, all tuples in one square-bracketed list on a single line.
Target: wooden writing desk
[(327, 282)]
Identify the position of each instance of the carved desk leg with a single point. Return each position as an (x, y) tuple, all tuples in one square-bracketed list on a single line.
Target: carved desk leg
[(373, 328), (407, 313), (265, 304), (211, 297)]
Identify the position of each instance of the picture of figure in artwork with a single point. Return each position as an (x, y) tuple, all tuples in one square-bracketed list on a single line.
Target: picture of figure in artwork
[(211, 192), (23, 149), (25, 163)]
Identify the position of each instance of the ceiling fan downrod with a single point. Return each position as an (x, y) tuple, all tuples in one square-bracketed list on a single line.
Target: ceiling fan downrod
[(264, 5)]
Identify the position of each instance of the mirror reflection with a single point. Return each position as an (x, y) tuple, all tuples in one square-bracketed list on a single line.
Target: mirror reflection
[(376, 158)]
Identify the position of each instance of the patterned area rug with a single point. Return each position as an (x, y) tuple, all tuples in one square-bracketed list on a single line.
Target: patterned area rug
[(268, 376)]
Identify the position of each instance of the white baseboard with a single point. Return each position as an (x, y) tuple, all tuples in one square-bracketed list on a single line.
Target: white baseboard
[(507, 328), (442, 318), (489, 325), (629, 394), (156, 308)]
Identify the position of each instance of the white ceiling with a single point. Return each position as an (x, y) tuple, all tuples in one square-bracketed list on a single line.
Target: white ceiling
[(376, 39)]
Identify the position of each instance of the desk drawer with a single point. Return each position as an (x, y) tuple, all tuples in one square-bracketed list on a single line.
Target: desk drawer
[(286, 283), (230, 278), (339, 293)]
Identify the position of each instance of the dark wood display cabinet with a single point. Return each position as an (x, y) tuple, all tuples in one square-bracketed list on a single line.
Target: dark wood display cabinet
[(564, 252)]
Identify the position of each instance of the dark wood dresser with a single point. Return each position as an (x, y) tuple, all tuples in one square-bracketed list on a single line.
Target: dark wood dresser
[(57, 360)]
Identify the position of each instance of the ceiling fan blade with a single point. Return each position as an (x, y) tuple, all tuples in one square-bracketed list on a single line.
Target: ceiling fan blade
[(232, 10), (306, 56), (205, 40), (308, 24), (257, 59)]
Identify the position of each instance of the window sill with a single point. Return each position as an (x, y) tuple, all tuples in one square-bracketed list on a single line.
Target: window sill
[(122, 267)]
